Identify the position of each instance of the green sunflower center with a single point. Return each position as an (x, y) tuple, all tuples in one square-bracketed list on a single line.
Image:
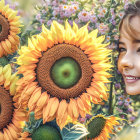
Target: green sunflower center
[(96, 126), (6, 108), (3, 61), (46, 133), (65, 72)]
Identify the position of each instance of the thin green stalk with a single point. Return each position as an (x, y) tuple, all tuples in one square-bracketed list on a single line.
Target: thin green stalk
[(110, 110)]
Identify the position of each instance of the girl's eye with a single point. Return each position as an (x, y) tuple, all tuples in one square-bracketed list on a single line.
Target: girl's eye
[(138, 50), (122, 49)]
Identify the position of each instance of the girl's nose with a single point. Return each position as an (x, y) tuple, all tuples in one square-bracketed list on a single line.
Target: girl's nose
[(127, 61)]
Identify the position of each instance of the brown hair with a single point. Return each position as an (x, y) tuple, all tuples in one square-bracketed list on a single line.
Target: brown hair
[(132, 11)]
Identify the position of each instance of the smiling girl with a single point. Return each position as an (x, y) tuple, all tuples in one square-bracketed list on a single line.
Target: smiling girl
[(129, 49)]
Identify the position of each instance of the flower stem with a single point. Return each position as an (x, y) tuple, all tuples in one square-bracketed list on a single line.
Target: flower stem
[(110, 110)]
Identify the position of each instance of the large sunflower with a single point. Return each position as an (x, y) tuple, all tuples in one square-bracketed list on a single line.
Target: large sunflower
[(63, 69), (9, 28), (101, 127), (10, 117)]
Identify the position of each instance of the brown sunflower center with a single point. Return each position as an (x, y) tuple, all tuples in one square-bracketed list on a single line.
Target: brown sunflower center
[(64, 71), (4, 28), (6, 108), (95, 127)]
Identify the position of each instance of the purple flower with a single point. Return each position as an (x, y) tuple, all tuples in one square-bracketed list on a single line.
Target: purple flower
[(12, 6), (118, 72), (20, 13), (60, 21), (126, 104), (6, 2), (38, 16), (128, 100), (77, 21), (65, 7), (84, 16), (54, 3), (42, 21), (103, 28), (71, 22), (120, 103), (107, 38), (90, 28), (132, 118), (112, 46), (88, 116), (121, 97), (112, 21), (102, 12), (67, 14), (117, 85), (55, 13), (119, 110), (93, 18), (125, 6), (62, 15), (130, 109), (39, 28), (121, 14), (49, 22), (75, 7), (122, 116), (43, 11), (53, 18), (112, 11), (71, 10)]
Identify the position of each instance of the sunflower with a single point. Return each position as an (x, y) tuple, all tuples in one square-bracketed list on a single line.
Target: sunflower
[(43, 132), (9, 28), (36, 130), (64, 69), (10, 117), (100, 127)]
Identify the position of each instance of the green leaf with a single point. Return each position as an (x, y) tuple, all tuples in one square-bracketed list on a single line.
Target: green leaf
[(74, 132)]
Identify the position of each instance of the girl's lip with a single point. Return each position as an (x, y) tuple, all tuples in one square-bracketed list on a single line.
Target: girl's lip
[(131, 79)]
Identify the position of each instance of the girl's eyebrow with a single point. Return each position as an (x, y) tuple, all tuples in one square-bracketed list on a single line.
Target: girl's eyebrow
[(136, 41), (121, 42)]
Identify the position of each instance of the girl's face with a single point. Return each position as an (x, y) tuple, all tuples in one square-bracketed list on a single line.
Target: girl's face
[(129, 58)]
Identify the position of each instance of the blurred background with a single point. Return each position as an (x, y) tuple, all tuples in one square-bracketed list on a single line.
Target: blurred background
[(104, 15)]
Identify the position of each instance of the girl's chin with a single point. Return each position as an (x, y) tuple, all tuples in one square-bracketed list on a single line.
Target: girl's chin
[(132, 93)]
